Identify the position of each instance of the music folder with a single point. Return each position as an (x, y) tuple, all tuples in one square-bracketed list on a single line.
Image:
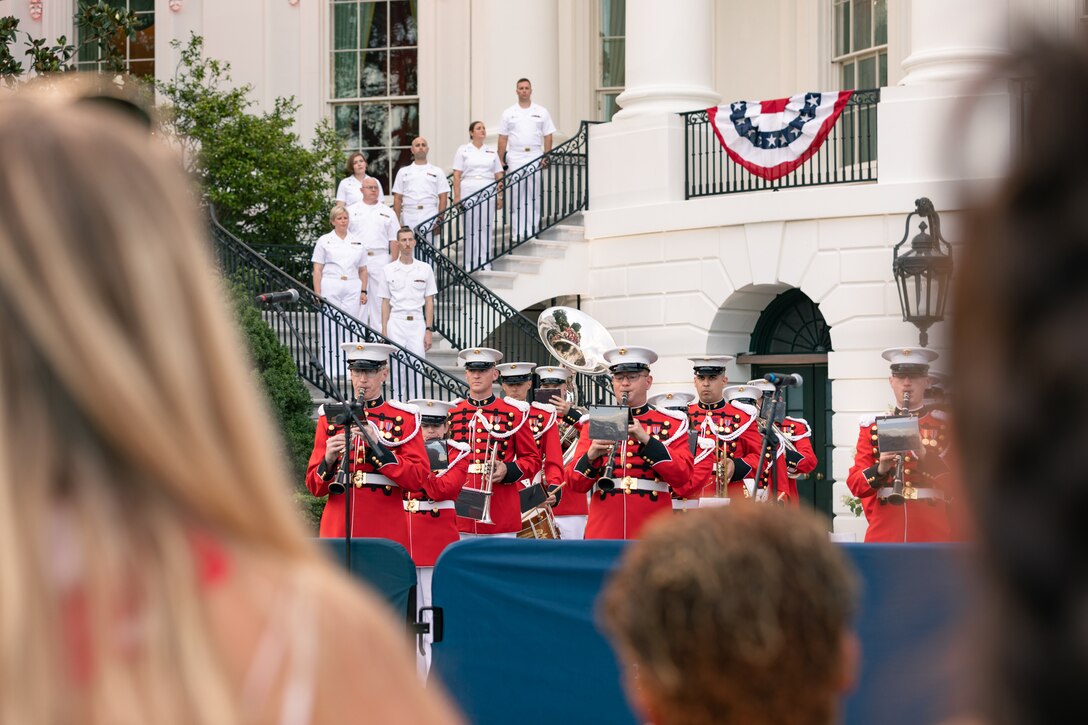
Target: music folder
[(898, 434), (608, 422)]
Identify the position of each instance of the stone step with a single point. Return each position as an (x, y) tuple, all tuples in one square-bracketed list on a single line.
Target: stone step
[(518, 263), (563, 233), (546, 248), (495, 279)]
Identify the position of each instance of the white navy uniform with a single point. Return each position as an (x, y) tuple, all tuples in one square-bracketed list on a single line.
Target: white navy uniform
[(525, 129), (375, 226), (478, 167), (407, 287), (419, 185), (340, 283), (350, 190)]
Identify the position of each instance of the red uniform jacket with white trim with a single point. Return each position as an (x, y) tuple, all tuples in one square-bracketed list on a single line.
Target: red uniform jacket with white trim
[(430, 532), (734, 429), (376, 510), (921, 519), (665, 458), (516, 448), (572, 503)]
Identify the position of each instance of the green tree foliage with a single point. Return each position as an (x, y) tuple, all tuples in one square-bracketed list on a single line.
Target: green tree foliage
[(267, 187), (290, 401), (107, 28)]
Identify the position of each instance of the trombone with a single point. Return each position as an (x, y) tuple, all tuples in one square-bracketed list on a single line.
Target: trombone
[(476, 502)]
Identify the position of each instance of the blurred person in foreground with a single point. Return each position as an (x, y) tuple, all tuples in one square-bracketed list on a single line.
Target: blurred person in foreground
[(1021, 306), (153, 568), (734, 615)]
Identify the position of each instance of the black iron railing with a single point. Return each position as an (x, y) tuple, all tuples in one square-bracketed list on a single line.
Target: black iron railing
[(324, 327), (848, 154), (505, 214)]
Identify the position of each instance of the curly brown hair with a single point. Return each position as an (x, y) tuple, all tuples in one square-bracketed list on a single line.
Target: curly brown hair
[(721, 613)]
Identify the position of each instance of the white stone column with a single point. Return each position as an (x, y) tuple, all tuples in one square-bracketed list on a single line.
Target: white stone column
[(669, 58), (954, 40), (512, 40)]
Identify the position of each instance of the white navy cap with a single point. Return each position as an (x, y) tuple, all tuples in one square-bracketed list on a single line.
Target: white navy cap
[(479, 358), (743, 392), (550, 374), (714, 365), (431, 411), (909, 360), (629, 359), (366, 355), (516, 372), (679, 400), (762, 385)]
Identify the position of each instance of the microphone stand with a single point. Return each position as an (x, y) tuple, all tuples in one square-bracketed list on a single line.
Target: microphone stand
[(342, 476), (770, 442)]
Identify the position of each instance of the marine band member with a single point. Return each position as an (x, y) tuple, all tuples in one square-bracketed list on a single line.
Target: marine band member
[(654, 462), (516, 379), (379, 476), (485, 424), (572, 509), (731, 431), (924, 515)]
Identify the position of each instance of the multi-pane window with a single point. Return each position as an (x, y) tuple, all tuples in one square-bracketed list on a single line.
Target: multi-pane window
[(861, 53), (611, 78), (861, 43), (139, 52), (374, 81)]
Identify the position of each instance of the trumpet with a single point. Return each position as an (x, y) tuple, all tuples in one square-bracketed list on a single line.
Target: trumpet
[(896, 497), (606, 482), (475, 503), (721, 480)]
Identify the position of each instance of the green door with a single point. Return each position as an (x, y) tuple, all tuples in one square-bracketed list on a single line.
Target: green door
[(811, 401)]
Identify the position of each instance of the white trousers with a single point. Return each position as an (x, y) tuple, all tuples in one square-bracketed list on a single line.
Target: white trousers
[(479, 222), (525, 206), (344, 293), (371, 313), (571, 528), (409, 335), (413, 217), (424, 575)]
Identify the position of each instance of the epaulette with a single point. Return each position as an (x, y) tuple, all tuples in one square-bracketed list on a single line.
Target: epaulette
[(672, 413), (462, 449), (458, 445), (320, 410), (520, 405), (403, 406), (546, 407), (867, 420), (749, 409), (939, 415), (799, 436), (457, 401)]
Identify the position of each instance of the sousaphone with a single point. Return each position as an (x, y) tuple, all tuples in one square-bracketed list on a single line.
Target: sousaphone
[(575, 339)]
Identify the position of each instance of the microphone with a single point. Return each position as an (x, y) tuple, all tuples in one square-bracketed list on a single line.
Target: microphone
[(289, 295), (781, 380)]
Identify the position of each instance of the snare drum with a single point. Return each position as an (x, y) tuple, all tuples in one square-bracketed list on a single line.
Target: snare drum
[(538, 524)]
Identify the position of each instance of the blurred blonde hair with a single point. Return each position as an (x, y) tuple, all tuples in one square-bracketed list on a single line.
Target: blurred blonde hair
[(129, 421)]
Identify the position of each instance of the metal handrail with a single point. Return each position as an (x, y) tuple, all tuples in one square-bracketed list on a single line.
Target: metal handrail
[(558, 179), (847, 155), (467, 313), (325, 325)]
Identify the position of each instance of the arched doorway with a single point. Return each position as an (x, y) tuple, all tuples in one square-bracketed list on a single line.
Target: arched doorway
[(791, 336)]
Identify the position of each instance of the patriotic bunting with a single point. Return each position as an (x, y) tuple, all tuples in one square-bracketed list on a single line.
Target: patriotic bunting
[(772, 138)]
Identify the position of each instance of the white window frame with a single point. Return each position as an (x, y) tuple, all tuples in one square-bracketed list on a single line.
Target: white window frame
[(603, 91), (853, 57)]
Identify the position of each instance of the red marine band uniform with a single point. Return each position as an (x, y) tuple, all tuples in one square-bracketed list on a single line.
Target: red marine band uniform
[(924, 514), (648, 474), (571, 509), (799, 433), (786, 459), (432, 520), (379, 478), (516, 448), (724, 424), (679, 401)]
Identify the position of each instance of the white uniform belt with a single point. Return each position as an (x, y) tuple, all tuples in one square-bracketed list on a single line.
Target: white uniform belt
[(369, 478), (477, 176), (410, 316), (431, 207), (528, 149), (375, 252), (912, 493), (413, 505), (628, 484), (680, 504)]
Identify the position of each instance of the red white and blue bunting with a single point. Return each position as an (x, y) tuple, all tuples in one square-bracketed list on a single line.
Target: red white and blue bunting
[(772, 138)]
